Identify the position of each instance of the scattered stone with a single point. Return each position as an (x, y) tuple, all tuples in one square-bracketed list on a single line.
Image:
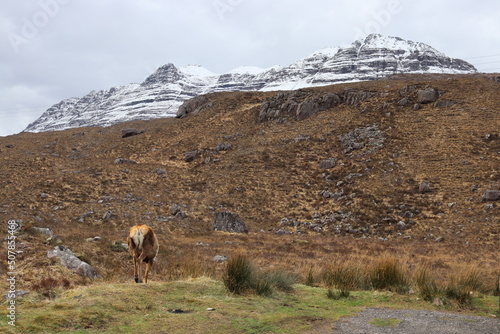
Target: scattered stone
[(96, 238), (190, 156), (444, 103), (491, 195), (44, 196), (107, 215), (130, 132), (124, 161), (160, 171), (439, 239), (404, 102), (9, 146), (43, 231), (491, 136), (329, 194), (450, 205), (229, 222), (437, 302), (367, 140), (301, 138), (424, 187), (408, 90), (219, 258), (210, 309), (176, 211), (73, 263), (223, 147), (178, 311), (328, 163), (489, 206), (417, 106)]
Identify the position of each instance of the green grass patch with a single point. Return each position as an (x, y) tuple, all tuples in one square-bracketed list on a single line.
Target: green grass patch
[(141, 308), (389, 322)]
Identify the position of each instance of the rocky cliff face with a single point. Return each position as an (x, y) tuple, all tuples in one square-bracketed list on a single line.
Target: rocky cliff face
[(161, 94)]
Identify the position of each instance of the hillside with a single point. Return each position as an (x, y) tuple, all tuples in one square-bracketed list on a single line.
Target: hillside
[(343, 176)]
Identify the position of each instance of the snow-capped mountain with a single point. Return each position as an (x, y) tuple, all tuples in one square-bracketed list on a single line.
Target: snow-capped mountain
[(161, 94)]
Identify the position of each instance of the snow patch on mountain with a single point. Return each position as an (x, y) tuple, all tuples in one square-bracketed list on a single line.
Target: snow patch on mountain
[(161, 93)]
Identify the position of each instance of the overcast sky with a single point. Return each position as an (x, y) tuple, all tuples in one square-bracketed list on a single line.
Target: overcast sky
[(51, 50)]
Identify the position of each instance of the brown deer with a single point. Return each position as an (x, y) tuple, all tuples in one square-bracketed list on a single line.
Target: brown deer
[(143, 246)]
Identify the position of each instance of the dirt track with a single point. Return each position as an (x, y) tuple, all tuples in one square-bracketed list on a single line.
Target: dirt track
[(416, 322)]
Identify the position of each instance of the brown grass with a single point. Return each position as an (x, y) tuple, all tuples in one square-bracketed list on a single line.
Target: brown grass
[(271, 172)]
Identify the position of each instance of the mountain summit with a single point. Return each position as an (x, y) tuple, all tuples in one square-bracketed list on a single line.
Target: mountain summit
[(161, 94)]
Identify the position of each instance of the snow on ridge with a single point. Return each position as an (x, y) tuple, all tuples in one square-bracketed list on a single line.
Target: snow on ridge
[(162, 92), (197, 70), (252, 70)]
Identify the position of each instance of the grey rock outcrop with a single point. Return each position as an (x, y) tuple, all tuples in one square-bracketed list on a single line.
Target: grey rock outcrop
[(193, 106), (229, 222), (73, 263), (427, 95), (295, 105), (364, 140)]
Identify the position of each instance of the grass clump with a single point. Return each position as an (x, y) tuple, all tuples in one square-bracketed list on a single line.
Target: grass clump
[(340, 278), (387, 274), (240, 276), (458, 288), (337, 294), (426, 283)]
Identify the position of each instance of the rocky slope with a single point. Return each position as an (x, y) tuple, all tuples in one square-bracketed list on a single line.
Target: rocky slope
[(161, 94), (406, 165)]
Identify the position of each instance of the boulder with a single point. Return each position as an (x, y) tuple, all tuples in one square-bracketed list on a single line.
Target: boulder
[(43, 231), (219, 258), (229, 222), (190, 156), (130, 132), (427, 95), (424, 187), (307, 109), (327, 101), (491, 195), (73, 263), (328, 163), (193, 106)]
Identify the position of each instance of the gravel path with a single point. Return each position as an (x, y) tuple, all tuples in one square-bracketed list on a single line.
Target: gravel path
[(415, 322)]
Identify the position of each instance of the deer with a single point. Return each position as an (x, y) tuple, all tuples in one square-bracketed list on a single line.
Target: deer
[(143, 246)]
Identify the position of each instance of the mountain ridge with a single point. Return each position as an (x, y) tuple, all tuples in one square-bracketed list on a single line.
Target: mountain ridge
[(162, 93)]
